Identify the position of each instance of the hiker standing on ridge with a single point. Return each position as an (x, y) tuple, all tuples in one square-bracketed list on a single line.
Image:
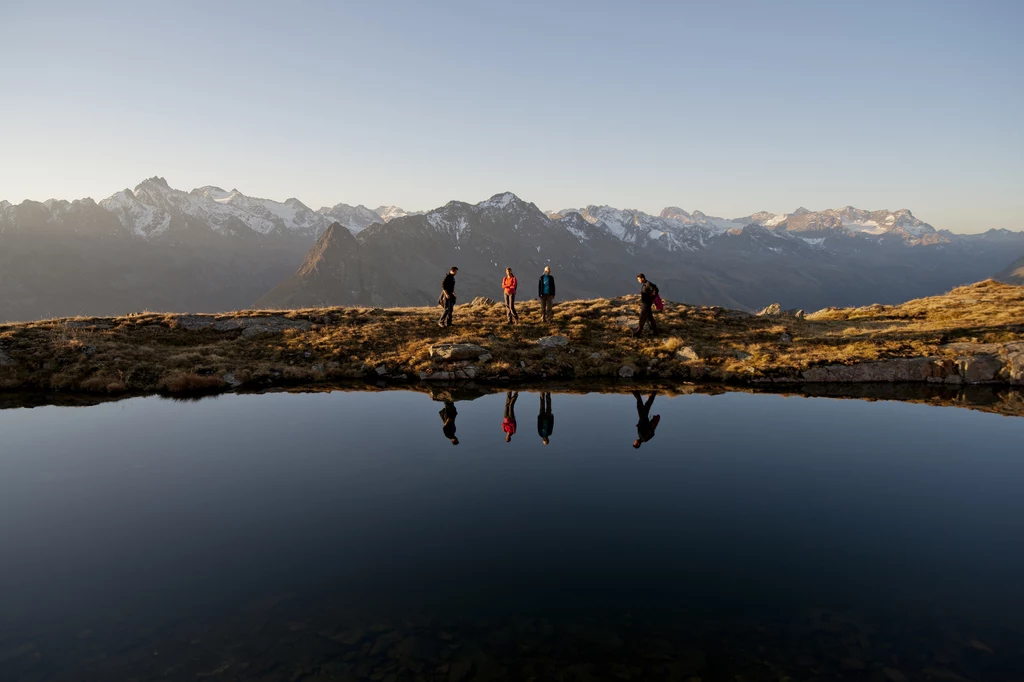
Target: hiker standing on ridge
[(648, 295), (508, 425), (509, 285), (546, 294), (447, 298)]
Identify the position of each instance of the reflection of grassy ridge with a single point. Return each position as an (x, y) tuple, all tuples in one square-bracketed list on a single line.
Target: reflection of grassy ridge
[(1004, 400), (156, 352)]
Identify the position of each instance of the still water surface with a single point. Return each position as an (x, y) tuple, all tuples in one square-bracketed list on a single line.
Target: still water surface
[(343, 536)]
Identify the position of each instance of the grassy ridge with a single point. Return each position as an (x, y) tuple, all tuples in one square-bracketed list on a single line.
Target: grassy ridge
[(181, 353)]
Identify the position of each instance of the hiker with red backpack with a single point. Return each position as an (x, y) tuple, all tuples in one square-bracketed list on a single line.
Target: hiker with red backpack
[(649, 297), (645, 426)]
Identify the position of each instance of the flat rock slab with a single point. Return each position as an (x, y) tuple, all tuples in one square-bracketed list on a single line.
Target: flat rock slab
[(249, 326), (457, 351), (552, 341)]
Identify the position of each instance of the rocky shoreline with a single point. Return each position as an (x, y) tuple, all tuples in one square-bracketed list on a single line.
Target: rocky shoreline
[(971, 336)]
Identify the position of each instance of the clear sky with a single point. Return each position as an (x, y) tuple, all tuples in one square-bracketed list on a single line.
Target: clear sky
[(727, 106)]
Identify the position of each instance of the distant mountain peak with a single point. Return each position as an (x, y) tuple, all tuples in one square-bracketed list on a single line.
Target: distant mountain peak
[(502, 200)]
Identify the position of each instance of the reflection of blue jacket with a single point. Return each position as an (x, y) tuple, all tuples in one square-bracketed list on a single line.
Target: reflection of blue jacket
[(545, 424), (546, 286)]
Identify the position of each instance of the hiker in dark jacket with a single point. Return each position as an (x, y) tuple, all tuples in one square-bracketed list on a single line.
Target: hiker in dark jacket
[(447, 298), (645, 426), (448, 414), (545, 420), (546, 294), (648, 291)]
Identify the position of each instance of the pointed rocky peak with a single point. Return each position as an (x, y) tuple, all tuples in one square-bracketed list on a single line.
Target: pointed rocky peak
[(699, 215), (4, 204), (674, 213), (154, 182), (503, 200)]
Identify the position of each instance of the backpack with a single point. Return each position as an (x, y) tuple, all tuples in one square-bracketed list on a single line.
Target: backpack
[(659, 305)]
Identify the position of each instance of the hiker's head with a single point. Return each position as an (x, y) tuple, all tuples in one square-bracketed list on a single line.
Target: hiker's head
[(547, 269), (636, 443), (455, 441), (641, 278), (545, 440), (508, 271), (508, 437), (454, 270)]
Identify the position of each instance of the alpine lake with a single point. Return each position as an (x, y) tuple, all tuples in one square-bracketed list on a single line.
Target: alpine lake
[(554, 533)]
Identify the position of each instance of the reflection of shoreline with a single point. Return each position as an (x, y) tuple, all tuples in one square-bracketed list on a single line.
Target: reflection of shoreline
[(995, 399)]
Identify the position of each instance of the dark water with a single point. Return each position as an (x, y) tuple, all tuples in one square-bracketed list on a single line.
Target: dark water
[(342, 536)]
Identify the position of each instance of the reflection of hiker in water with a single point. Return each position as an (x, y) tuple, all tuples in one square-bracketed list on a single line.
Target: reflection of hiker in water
[(645, 427), (508, 425), (448, 414), (545, 420)]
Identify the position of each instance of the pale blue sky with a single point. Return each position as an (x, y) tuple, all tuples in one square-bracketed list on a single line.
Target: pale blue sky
[(726, 106)]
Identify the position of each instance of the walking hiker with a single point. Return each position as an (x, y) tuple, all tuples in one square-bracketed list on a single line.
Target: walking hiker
[(509, 285), (546, 294), (545, 420), (448, 414), (447, 298), (645, 426), (508, 425), (648, 294)]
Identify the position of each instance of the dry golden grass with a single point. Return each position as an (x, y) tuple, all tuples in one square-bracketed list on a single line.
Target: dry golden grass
[(160, 352)]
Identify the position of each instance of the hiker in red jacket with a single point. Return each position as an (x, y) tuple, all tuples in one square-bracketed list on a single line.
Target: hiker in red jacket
[(509, 285), (645, 427), (509, 423)]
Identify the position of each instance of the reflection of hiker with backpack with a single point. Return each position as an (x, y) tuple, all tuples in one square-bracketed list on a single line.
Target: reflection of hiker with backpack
[(645, 427), (649, 297)]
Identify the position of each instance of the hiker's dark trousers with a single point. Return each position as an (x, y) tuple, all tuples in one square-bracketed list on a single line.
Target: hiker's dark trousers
[(510, 308), (547, 307), (646, 317), (446, 313)]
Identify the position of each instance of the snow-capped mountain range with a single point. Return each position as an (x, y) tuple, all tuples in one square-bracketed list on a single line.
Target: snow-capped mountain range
[(212, 249), (153, 208)]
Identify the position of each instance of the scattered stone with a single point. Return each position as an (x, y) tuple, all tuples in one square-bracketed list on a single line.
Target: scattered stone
[(980, 646), (231, 381), (894, 675), (457, 351), (742, 355), (461, 374), (552, 341), (626, 371), (786, 338), (775, 310), (522, 363), (381, 370), (687, 354), (193, 322), (470, 371), (595, 356), (979, 369), (307, 355), (486, 357), (318, 367)]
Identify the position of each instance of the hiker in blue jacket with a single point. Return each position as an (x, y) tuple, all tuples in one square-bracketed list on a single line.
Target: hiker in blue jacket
[(546, 294)]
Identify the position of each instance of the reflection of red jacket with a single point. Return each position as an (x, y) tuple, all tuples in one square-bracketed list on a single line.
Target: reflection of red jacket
[(509, 284), (508, 426)]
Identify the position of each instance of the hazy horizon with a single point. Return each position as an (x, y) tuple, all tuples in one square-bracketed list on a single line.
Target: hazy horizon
[(730, 109)]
